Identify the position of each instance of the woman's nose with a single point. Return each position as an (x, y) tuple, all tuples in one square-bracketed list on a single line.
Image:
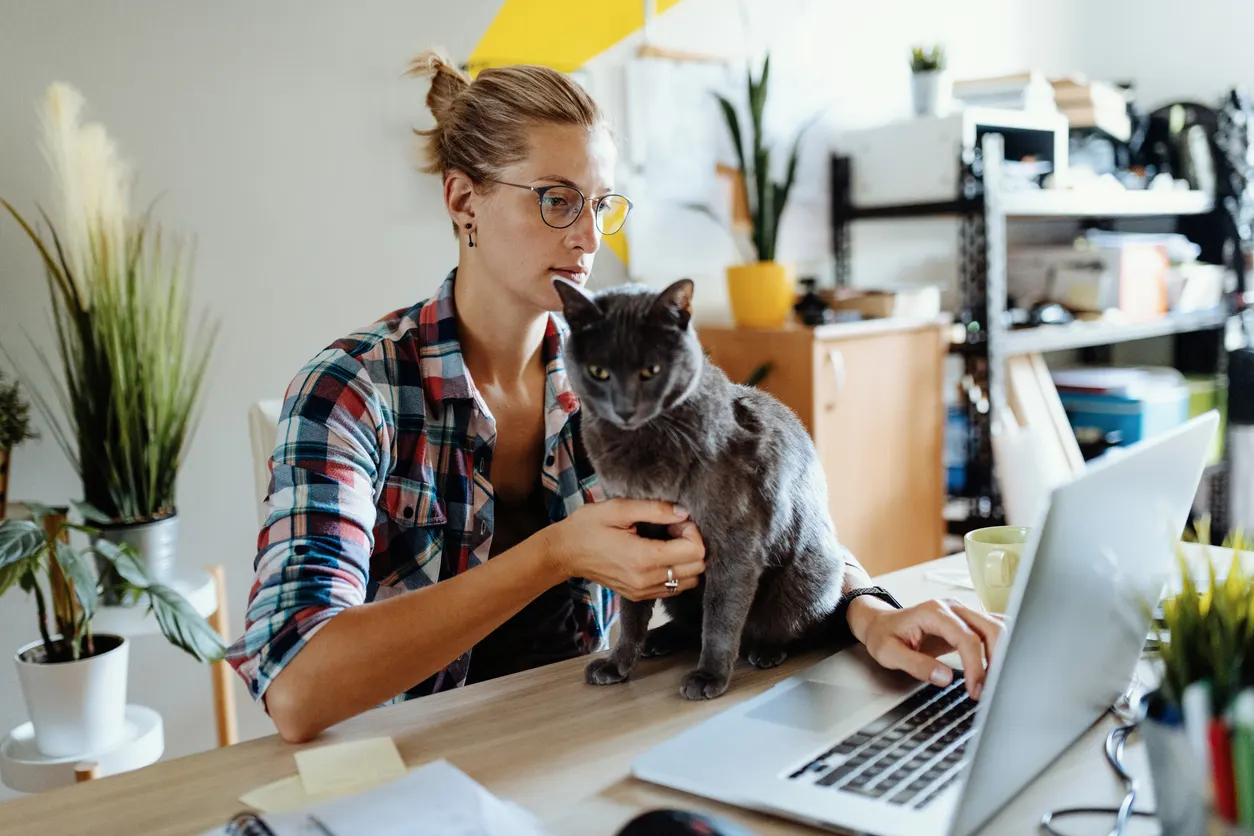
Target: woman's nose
[(583, 232)]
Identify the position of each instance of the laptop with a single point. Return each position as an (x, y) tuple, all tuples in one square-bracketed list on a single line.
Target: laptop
[(847, 745)]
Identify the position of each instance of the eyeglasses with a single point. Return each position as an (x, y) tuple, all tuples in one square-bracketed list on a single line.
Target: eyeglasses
[(560, 206)]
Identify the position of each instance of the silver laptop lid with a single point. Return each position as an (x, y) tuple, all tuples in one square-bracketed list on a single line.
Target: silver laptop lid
[(1078, 611)]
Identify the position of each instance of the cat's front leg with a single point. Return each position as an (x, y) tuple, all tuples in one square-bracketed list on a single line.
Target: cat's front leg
[(728, 596), (618, 666)]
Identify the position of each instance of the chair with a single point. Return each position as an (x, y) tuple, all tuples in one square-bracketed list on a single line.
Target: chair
[(263, 427)]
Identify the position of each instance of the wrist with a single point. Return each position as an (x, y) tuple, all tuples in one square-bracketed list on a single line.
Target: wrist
[(862, 611), (553, 554)]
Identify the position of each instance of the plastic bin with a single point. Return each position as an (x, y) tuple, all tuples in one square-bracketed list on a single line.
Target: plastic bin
[(1135, 403)]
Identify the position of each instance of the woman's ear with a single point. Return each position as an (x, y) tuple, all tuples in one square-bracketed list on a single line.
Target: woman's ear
[(459, 197)]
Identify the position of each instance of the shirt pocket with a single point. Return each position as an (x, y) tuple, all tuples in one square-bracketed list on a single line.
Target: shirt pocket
[(413, 523)]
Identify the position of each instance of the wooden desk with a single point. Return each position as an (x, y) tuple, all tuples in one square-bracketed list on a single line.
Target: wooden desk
[(526, 738)]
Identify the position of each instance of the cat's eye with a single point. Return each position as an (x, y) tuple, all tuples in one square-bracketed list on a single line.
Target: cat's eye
[(650, 371), (598, 373)]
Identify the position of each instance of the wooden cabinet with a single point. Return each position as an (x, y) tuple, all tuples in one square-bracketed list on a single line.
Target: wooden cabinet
[(870, 394)]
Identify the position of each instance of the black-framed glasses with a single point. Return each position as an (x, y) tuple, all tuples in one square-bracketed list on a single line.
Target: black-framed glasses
[(560, 206)]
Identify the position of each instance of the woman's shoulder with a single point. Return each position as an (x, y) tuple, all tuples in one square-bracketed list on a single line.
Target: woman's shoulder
[(380, 363)]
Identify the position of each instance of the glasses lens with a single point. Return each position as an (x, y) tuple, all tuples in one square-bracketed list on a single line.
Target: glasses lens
[(560, 206), (612, 213)]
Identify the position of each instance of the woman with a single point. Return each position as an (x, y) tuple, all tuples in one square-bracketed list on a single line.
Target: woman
[(432, 518)]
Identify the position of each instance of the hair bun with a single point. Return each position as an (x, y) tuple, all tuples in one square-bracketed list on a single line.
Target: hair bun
[(447, 81)]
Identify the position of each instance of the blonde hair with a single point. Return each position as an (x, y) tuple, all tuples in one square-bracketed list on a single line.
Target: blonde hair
[(481, 125)]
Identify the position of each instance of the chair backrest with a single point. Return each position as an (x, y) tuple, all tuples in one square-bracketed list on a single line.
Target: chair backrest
[(263, 425)]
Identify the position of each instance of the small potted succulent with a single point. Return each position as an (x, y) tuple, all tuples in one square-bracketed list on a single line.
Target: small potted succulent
[(930, 82), (74, 679), (15, 428)]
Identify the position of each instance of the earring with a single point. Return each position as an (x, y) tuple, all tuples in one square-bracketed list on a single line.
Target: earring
[(470, 236)]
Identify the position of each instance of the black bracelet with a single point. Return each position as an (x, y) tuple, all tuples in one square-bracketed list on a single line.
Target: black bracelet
[(842, 608)]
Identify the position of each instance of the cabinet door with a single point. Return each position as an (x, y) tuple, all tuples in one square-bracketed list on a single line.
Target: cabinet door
[(879, 432)]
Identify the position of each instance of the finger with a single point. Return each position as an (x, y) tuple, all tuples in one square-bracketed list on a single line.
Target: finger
[(680, 572), (687, 549), (663, 592), (624, 513), (941, 621), (988, 628), (897, 655)]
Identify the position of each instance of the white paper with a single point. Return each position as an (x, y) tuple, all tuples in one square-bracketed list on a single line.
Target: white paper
[(435, 798)]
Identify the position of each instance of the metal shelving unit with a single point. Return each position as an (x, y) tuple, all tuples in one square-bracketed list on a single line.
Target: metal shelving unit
[(983, 210)]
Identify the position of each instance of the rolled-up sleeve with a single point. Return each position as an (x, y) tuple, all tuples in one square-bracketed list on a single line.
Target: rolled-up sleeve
[(313, 552)]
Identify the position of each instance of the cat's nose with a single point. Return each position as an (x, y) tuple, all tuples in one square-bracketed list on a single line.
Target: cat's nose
[(625, 414)]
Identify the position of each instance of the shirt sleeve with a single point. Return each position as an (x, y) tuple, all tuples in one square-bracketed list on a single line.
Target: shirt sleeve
[(313, 552)]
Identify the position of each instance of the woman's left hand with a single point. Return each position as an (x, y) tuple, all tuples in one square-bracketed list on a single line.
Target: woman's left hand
[(910, 639)]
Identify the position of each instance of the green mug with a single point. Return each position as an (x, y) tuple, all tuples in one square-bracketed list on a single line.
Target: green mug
[(993, 558)]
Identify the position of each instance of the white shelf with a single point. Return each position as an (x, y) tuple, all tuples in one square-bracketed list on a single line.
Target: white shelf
[(1086, 334), (25, 769), (197, 587), (1102, 203)]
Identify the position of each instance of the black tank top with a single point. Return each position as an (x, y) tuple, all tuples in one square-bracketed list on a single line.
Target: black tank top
[(547, 629)]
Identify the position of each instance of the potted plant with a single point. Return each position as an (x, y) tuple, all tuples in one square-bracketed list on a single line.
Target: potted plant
[(131, 366), (73, 679), (763, 291), (14, 429), (930, 82), (1204, 634)]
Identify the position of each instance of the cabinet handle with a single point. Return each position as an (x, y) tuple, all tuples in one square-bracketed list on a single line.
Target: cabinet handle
[(838, 376)]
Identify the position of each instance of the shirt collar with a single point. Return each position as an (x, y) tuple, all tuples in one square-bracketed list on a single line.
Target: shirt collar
[(444, 374)]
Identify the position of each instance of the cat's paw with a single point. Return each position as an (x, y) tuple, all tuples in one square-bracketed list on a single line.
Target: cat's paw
[(667, 639), (703, 685), (605, 672), (766, 656)]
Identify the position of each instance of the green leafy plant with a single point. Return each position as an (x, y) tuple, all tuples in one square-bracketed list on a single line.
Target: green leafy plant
[(132, 367), (14, 416), (35, 557), (927, 61), (766, 197), (1206, 631)]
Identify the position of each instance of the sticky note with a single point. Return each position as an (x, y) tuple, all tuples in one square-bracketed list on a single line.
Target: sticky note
[(350, 766), (278, 797)]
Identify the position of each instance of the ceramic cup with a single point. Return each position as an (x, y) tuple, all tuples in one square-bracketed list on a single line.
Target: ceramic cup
[(993, 558)]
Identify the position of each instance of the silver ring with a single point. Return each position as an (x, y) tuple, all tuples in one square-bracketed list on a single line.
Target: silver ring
[(671, 583)]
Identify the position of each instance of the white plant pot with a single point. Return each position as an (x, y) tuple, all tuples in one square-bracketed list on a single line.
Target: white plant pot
[(76, 707), (932, 92)]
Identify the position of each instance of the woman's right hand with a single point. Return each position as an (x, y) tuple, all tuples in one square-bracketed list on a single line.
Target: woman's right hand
[(599, 542)]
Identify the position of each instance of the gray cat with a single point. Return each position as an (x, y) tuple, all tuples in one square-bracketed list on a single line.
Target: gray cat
[(661, 422)]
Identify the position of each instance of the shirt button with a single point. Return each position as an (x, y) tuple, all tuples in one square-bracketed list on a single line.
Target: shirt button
[(550, 460), (409, 511), (483, 527)]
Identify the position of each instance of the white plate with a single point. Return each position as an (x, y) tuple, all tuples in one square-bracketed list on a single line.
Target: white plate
[(25, 769)]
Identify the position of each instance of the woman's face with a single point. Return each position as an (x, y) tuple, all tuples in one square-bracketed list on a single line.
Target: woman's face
[(521, 252)]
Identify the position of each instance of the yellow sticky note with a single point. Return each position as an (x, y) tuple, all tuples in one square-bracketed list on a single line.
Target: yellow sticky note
[(279, 797), (357, 764)]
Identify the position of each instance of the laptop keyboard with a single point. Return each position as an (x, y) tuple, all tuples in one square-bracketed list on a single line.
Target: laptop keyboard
[(907, 756)]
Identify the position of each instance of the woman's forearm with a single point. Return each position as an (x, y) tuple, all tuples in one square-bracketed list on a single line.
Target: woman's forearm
[(368, 654)]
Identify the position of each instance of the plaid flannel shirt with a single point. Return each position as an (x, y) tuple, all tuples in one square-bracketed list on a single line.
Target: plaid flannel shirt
[(380, 484)]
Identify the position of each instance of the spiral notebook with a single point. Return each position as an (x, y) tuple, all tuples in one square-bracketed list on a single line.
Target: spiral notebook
[(435, 798)]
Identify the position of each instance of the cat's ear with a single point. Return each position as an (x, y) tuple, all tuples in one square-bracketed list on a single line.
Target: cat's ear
[(675, 303), (577, 306)]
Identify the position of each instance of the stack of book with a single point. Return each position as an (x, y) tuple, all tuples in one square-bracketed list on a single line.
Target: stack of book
[(1094, 104)]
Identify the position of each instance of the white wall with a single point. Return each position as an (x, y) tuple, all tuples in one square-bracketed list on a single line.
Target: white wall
[(278, 133)]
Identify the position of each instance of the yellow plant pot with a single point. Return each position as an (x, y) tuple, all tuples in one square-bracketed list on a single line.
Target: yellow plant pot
[(762, 295)]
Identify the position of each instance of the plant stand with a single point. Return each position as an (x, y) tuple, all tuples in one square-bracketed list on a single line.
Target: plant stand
[(25, 769)]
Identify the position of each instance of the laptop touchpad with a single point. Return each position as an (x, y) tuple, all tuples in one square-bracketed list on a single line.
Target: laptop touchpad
[(814, 706)]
